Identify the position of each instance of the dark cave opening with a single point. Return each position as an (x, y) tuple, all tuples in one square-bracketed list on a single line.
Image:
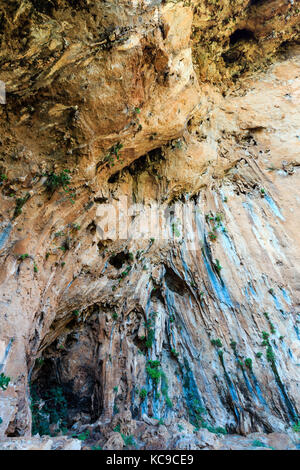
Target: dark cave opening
[(257, 2), (174, 282), (45, 6), (144, 163), (119, 259), (241, 35), (66, 385)]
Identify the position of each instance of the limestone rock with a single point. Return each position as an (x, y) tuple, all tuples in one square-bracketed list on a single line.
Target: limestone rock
[(40, 443), (115, 442), (149, 224)]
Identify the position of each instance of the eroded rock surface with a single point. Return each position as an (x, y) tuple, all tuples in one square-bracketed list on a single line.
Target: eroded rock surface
[(187, 108)]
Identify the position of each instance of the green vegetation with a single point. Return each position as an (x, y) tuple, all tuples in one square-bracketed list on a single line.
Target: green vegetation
[(154, 371), (257, 443), (22, 257), (164, 389), (270, 354), (216, 430), (196, 413), (272, 327), (113, 154), (217, 342), (240, 363), (65, 246), (248, 363), (156, 374), (177, 143), (143, 394), (160, 421), (19, 204), (115, 316), (215, 221), (258, 355), (195, 409), (49, 409), (61, 180), (169, 402), (117, 428), (4, 381), (174, 353), (175, 230), (296, 426), (218, 266), (265, 337), (209, 217), (128, 440), (150, 337), (40, 361), (54, 181), (82, 436), (125, 272)]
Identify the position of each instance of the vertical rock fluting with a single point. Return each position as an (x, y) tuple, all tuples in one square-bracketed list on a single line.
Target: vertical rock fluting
[(207, 292)]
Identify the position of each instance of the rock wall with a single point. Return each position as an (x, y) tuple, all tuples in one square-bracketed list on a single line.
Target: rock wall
[(179, 121)]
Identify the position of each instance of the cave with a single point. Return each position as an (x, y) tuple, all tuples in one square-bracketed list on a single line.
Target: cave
[(257, 2), (118, 260), (186, 328), (241, 35), (45, 6), (66, 382)]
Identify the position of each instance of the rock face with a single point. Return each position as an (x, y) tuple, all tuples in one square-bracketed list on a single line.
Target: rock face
[(44, 443), (149, 221)]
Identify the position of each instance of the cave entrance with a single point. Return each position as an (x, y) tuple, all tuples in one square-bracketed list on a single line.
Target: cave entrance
[(241, 35), (66, 383)]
